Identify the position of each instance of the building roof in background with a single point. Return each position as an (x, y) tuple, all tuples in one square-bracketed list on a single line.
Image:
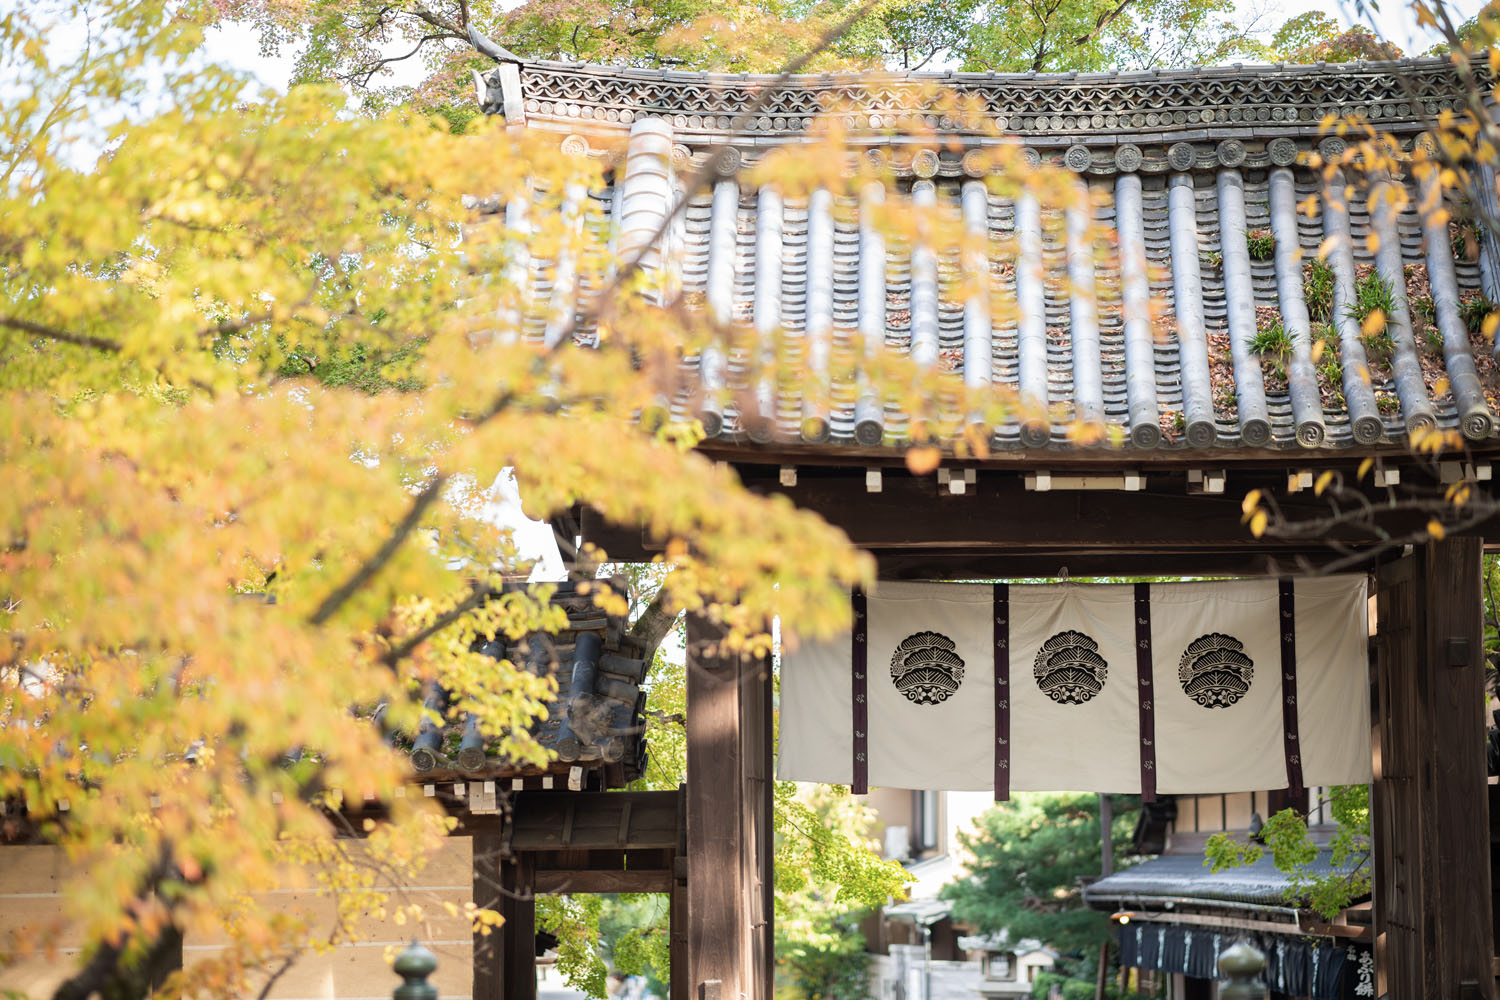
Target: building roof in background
[(1000, 943), (1199, 173), (594, 725), (1186, 878), (924, 912), (1043, 108)]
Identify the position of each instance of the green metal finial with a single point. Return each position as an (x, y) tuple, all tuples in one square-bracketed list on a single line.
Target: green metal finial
[(415, 964), (1241, 964)]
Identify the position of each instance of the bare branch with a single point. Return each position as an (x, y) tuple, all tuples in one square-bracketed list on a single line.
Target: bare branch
[(695, 183), (275, 977), (370, 75)]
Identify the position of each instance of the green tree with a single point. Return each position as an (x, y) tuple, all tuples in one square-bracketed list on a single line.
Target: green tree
[(1094, 35), (823, 891), (1028, 856), (359, 42), (1314, 37), (1286, 839)]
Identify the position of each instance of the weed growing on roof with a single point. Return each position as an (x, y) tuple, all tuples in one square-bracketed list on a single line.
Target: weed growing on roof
[(1317, 290), (1379, 346), (1214, 260), (1325, 350), (1261, 244), (1424, 321), (1387, 403), (1472, 309), (1423, 308), (1463, 235), (1374, 301), (1273, 345)]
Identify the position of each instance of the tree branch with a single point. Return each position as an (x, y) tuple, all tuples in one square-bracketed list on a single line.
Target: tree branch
[(103, 968), (698, 181), (387, 551), (60, 335), (477, 598), (1103, 21), (655, 623), (451, 28), (370, 74)]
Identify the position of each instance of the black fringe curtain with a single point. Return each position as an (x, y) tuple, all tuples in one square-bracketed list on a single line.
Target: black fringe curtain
[(1321, 970)]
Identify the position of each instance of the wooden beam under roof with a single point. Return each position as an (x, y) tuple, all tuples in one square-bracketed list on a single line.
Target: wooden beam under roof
[(964, 565), (914, 527), (745, 454)]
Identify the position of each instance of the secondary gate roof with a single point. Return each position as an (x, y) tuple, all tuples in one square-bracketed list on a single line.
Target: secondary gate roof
[(1191, 167)]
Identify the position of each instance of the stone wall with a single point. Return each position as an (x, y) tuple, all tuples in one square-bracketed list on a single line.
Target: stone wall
[(33, 890)]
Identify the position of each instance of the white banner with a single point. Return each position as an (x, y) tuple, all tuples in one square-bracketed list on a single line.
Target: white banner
[(1173, 688)]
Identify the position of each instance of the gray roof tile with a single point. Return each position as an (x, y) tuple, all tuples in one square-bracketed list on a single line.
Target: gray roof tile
[(758, 246)]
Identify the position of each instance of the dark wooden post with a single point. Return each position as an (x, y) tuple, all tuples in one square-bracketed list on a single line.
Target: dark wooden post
[(680, 986), (489, 949), (1433, 934), (729, 847), (518, 904)]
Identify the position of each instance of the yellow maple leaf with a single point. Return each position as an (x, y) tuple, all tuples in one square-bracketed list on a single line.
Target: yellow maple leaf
[(923, 459)]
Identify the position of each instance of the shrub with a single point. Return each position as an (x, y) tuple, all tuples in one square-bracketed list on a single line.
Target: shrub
[(1043, 983)]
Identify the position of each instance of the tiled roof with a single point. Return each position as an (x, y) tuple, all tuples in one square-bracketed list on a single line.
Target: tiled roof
[(1187, 165), (596, 723), (1184, 877)]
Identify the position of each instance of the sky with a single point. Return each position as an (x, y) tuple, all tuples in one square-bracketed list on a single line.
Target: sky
[(238, 46)]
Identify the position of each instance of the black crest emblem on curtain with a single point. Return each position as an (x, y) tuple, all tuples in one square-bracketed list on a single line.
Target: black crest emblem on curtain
[(1214, 670), (926, 667), (1069, 669)]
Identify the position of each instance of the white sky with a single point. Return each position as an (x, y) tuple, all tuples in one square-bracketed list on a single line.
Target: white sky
[(238, 46)]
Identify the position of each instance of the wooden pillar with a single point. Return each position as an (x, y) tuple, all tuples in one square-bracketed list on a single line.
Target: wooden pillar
[(680, 987), (1433, 924), (489, 950), (504, 959), (518, 904), (729, 847)]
